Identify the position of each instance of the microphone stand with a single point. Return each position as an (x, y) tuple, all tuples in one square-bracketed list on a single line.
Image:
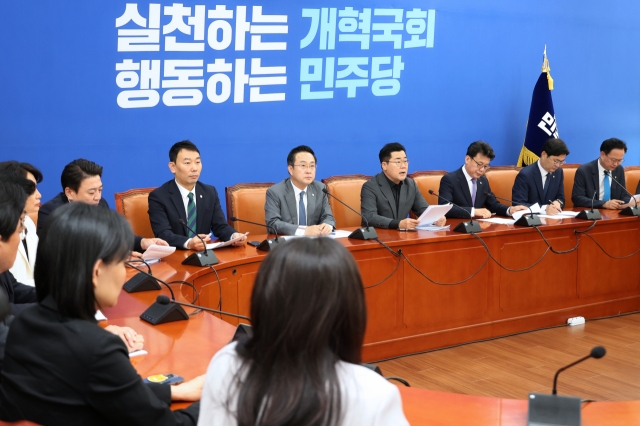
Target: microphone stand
[(463, 227), (627, 211), (590, 214), (266, 244), (366, 233), (203, 258), (531, 220)]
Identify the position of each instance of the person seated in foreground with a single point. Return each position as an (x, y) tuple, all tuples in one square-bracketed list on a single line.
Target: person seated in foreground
[(302, 364), (60, 367)]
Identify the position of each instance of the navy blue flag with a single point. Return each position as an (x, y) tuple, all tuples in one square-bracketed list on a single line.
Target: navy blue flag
[(542, 119)]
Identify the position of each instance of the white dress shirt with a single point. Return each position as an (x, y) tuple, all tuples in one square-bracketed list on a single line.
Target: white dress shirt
[(297, 191), (367, 397)]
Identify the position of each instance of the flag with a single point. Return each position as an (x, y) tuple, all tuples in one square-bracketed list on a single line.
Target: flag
[(542, 119)]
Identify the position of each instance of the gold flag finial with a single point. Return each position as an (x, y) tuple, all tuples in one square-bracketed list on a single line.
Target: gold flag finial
[(546, 68)]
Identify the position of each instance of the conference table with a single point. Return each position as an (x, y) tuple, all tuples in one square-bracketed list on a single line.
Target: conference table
[(443, 290)]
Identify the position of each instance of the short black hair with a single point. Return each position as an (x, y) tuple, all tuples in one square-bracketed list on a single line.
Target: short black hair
[(385, 152), (291, 158), (612, 143), (555, 146), (12, 201), (22, 169), (481, 147), (25, 184), (77, 171), (64, 269), (179, 146)]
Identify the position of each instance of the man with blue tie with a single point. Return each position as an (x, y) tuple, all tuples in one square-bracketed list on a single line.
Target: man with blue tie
[(183, 206), (543, 181), (594, 180)]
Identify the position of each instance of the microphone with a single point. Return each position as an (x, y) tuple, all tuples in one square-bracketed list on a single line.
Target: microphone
[(143, 281), (366, 233), (203, 258), (554, 409), (164, 300), (531, 220), (597, 353), (627, 211), (464, 227), (266, 244), (590, 214)]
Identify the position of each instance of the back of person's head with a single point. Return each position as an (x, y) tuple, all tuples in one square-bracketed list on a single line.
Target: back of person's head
[(179, 146), (75, 237), (12, 201), (291, 158), (21, 169), (385, 153), (308, 312), (480, 147), (555, 146), (612, 143), (77, 171)]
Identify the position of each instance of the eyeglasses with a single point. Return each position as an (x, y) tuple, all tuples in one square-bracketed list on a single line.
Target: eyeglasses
[(482, 166), (558, 163), (399, 163), (615, 160), (306, 167)]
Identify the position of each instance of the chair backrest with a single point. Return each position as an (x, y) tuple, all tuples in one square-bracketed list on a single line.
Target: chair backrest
[(134, 206), (246, 201), (569, 171), (632, 177), (347, 188), (501, 179), (427, 180)]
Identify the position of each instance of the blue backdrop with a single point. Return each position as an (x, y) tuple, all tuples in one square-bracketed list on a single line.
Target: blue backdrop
[(464, 70)]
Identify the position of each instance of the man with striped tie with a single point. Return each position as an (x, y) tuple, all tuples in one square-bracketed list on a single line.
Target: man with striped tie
[(183, 206)]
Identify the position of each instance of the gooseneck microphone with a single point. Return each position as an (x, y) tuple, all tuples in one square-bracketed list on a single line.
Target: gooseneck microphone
[(597, 353), (164, 300), (266, 244), (627, 211), (590, 214), (366, 233), (203, 258), (554, 409), (165, 310), (531, 220), (464, 227)]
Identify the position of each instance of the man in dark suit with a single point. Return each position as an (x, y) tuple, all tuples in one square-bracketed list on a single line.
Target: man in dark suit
[(543, 181), (469, 188), (387, 199), (184, 203), (81, 181), (594, 180), (297, 205)]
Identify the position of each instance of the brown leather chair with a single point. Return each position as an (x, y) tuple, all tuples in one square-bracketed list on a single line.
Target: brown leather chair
[(246, 201), (347, 188), (632, 177), (569, 171), (427, 180), (134, 206), (501, 179)]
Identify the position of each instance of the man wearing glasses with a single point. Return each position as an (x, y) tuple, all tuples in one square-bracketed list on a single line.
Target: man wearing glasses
[(297, 205), (543, 181), (593, 180), (388, 198), (469, 188)]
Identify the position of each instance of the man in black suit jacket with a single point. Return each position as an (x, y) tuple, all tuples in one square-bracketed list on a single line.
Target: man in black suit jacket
[(594, 180), (168, 204), (543, 181), (387, 199), (469, 188), (81, 181)]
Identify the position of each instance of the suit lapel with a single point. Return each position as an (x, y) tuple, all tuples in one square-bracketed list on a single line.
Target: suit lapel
[(290, 197), (176, 198), (386, 191), (464, 187), (595, 178)]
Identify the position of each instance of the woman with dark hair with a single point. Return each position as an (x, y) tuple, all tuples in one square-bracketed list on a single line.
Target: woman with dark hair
[(23, 267), (60, 367), (301, 367)]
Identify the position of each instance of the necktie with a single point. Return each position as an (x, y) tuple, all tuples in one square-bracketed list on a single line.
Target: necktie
[(607, 188), (191, 215), (474, 188), (302, 218), (545, 188)]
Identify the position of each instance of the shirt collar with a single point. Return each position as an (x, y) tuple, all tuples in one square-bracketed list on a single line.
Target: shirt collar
[(393, 185), (543, 172), (297, 191), (184, 192), (600, 168), (466, 175)]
